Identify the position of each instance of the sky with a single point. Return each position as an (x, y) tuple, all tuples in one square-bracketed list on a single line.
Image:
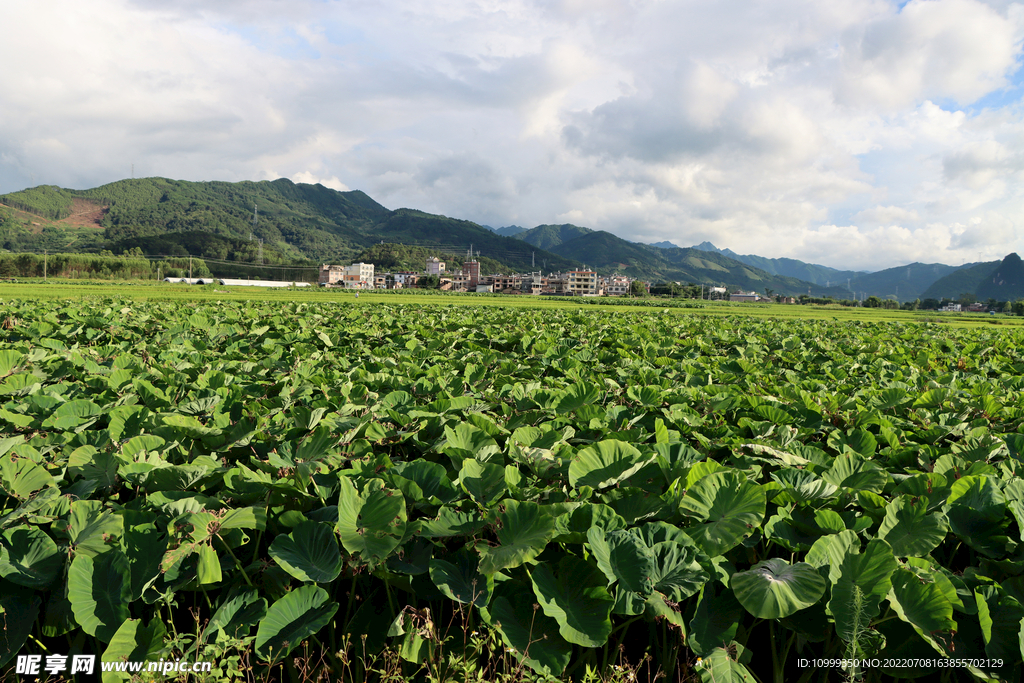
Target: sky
[(858, 134)]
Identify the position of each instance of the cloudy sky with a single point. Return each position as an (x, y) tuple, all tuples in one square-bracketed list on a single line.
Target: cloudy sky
[(853, 133)]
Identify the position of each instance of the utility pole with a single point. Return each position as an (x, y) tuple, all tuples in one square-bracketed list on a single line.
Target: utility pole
[(190, 268)]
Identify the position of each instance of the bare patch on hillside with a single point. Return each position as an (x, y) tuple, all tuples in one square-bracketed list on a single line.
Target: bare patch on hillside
[(85, 213)]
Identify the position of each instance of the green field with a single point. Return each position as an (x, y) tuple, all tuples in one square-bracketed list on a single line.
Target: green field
[(175, 292), (302, 486)]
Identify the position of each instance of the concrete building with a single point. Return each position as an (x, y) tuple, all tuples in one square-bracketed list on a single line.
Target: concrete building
[(616, 285), (583, 283), (747, 297), (472, 270), (355, 276), (435, 266)]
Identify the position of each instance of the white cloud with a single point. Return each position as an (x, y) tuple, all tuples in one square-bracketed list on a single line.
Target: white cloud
[(848, 132)]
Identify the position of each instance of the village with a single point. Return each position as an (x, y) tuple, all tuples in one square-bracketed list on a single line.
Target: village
[(468, 279)]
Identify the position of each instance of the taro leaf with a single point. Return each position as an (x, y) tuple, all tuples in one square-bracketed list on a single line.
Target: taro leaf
[(9, 361), (430, 477), (189, 426), (715, 622), (292, 619), (145, 546), (99, 466), (99, 589), (524, 532), (29, 557), (858, 591), (467, 441), (20, 477), (677, 573), (730, 507), (237, 615), (605, 463), (975, 508), (309, 553), (909, 529), (145, 443), (574, 527), (859, 441), (774, 589), (91, 529), (623, 556), (832, 550), (573, 593), (723, 667), (208, 567), (134, 642), (923, 606), (533, 637), (628, 603), (999, 615), (41, 500), (577, 396), (854, 472), (73, 415), (483, 481), (452, 522), (18, 611), (460, 580), (372, 523)]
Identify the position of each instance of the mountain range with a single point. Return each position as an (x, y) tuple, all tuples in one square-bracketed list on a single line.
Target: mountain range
[(285, 222)]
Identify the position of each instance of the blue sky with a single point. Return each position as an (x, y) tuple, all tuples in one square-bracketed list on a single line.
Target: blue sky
[(855, 133)]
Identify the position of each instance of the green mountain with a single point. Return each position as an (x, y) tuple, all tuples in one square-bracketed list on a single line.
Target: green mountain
[(964, 280), (297, 222), (787, 267), (509, 230), (605, 252), (550, 236), (906, 283), (1006, 283)]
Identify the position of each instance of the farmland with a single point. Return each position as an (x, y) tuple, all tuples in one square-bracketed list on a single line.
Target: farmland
[(313, 487)]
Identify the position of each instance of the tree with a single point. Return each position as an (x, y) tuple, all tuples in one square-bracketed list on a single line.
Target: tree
[(637, 288), (429, 282)]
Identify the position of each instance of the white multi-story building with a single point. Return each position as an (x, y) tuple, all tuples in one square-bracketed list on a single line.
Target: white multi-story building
[(435, 266), (583, 282)]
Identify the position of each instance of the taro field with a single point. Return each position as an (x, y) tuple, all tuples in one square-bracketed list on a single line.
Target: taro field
[(360, 492)]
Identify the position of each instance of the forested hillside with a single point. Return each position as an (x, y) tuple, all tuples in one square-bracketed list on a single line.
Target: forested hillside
[(220, 220)]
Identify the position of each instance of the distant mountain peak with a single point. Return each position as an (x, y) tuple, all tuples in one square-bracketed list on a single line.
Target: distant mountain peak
[(706, 246)]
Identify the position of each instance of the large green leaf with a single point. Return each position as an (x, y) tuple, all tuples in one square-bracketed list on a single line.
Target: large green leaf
[(134, 642), (533, 636), (292, 619), (523, 533), (238, 614), (573, 593), (852, 471), (93, 529), (722, 666), (774, 589), (99, 589), (623, 556), (21, 477), (19, 609), (309, 553), (577, 396), (29, 557), (862, 584), (729, 507), (483, 481), (975, 510), (605, 464), (909, 529), (715, 622), (372, 523), (461, 580), (924, 606)]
